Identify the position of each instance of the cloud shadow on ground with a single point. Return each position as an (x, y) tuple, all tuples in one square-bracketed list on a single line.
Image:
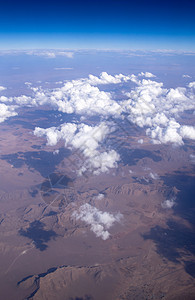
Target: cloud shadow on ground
[(38, 234)]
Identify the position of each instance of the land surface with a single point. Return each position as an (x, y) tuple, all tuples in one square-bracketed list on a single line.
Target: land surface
[(46, 253)]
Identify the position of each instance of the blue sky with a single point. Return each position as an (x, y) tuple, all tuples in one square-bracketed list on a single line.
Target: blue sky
[(116, 24)]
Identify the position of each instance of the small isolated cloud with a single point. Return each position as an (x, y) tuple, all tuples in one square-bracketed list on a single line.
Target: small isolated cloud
[(6, 112), (146, 74), (105, 78), (99, 221), (2, 88), (56, 152), (140, 141), (63, 68), (168, 203), (154, 175), (99, 197), (186, 76), (192, 158)]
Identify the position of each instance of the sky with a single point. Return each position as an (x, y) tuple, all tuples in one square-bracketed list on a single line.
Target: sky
[(116, 24)]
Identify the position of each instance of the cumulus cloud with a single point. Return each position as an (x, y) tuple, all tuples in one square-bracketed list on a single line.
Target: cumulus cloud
[(168, 203), (153, 175), (20, 101), (87, 139), (2, 88), (188, 132), (6, 112), (105, 78), (192, 85), (155, 108), (167, 134), (146, 74), (149, 104), (99, 221), (99, 197), (80, 97)]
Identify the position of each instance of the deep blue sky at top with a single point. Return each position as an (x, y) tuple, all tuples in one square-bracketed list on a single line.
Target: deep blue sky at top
[(104, 24)]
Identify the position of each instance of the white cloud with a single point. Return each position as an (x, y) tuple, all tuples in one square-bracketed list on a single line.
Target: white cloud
[(140, 141), (153, 175), (155, 108), (56, 152), (105, 78), (192, 85), (63, 69), (192, 158), (87, 139), (149, 104), (168, 203), (22, 100), (50, 53), (188, 132), (99, 197), (65, 53), (2, 88), (5, 99), (6, 112), (146, 74), (186, 76), (78, 96), (169, 134), (101, 162), (99, 221)]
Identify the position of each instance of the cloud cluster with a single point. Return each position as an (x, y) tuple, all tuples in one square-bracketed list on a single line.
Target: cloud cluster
[(99, 221), (155, 108), (80, 96), (87, 139), (50, 53), (149, 104)]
